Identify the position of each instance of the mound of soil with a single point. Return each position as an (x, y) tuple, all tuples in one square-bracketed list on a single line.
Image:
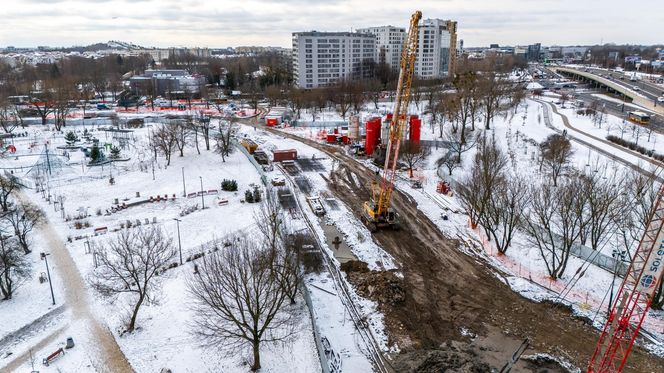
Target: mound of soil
[(381, 286), (454, 357)]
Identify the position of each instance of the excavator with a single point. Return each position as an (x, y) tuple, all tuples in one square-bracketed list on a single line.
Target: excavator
[(378, 211)]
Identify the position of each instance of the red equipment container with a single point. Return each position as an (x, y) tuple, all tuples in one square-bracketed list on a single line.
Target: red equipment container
[(389, 117), (285, 155), (271, 122), (372, 135), (331, 138), (336, 131), (415, 127), (345, 139)]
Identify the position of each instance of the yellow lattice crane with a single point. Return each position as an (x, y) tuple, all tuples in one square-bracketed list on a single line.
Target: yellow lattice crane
[(378, 212)]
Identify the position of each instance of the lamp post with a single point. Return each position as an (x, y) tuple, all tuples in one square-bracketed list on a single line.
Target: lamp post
[(184, 187), (617, 255), (202, 194), (44, 257), (177, 221)]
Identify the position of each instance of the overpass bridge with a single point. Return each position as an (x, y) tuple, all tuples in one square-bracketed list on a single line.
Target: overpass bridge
[(611, 86)]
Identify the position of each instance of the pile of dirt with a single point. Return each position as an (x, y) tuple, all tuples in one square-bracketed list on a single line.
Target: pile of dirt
[(453, 357), (381, 286), (354, 266), (446, 292)]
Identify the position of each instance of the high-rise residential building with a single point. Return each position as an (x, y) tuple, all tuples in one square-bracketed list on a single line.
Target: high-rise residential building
[(389, 44), (322, 58), (436, 51)]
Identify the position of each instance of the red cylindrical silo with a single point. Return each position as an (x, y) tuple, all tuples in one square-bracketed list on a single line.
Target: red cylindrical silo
[(372, 135), (415, 126)]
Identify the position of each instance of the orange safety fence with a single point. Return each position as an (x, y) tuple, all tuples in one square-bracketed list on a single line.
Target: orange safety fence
[(585, 300)]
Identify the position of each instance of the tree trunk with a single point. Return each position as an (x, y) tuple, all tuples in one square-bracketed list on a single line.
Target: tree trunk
[(132, 322), (257, 357)]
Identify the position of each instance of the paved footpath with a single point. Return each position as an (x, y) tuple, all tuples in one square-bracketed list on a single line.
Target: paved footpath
[(105, 353)]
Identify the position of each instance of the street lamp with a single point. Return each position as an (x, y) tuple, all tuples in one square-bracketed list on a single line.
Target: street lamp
[(177, 221), (43, 257), (184, 187), (617, 255), (202, 194)]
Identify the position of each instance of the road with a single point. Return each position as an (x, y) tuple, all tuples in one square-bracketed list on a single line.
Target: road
[(645, 97), (648, 89), (617, 109), (104, 352), (603, 151)]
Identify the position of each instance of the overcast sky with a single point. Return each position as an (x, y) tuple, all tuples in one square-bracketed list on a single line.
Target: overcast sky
[(220, 23)]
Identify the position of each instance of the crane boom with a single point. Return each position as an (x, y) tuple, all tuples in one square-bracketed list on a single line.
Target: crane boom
[(634, 297), (378, 210)]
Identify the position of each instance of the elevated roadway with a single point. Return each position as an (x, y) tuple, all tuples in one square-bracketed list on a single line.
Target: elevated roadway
[(647, 101)]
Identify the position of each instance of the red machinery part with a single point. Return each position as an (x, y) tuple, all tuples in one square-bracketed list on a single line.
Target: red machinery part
[(372, 135), (415, 127), (271, 122)]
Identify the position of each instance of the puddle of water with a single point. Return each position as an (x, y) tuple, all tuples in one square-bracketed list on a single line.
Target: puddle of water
[(343, 253)]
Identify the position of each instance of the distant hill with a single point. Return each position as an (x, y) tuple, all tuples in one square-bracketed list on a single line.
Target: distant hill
[(112, 44)]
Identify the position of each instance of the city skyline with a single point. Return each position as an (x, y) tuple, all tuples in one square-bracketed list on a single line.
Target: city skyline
[(164, 23)]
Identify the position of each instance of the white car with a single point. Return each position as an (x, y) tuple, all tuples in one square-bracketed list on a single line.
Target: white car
[(635, 88), (661, 99)]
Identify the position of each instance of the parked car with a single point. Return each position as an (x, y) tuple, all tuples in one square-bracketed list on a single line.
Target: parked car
[(661, 99), (635, 88)]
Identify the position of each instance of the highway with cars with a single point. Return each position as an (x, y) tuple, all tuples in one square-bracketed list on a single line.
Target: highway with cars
[(551, 80), (623, 78)]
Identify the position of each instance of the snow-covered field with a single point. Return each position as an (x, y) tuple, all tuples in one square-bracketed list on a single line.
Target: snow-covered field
[(163, 339)]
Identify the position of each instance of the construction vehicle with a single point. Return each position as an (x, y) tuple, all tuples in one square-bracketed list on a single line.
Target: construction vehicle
[(378, 212), (634, 297)]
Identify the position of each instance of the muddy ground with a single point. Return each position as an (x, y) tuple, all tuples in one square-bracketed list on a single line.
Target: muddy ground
[(444, 290)]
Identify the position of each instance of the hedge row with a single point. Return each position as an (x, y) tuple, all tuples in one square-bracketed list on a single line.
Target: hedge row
[(634, 146)]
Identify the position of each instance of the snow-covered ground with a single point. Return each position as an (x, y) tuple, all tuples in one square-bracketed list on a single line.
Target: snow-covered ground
[(163, 339), (518, 133)]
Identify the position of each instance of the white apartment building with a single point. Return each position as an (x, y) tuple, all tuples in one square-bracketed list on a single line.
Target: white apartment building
[(389, 44), (322, 58), (433, 53)]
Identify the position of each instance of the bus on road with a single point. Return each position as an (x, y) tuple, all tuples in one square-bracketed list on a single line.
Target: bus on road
[(639, 117)]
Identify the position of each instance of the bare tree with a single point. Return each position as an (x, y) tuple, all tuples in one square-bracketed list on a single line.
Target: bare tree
[(182, 134), (8, 185), (504, 211), (450, 161), (62, 93), (556, 152), (493, 90), (23, 219), (475, 190), (457, 145), (10, 116), (554, 223), (224, 144), (164, 139), (414, 154), (15, 266), (603, 204), (237, 300), (340, 96), (296, 101), (130, 263), (43, 105)]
